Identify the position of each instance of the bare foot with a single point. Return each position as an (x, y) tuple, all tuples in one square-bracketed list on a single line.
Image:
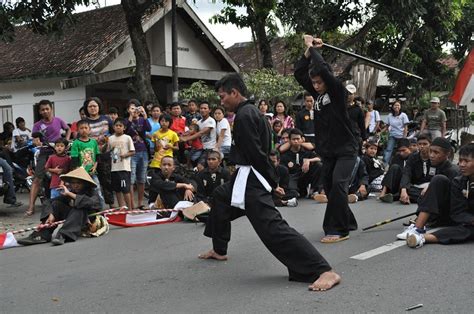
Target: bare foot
[(326, 281), (29, 212), (213, 255)]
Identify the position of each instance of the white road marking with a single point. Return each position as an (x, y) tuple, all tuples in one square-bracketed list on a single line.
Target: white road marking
[(383, 249)]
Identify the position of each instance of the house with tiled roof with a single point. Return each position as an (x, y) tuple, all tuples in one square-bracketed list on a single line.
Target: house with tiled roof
[(94, 57)]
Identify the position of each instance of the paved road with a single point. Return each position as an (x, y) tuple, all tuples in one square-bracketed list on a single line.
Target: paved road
[(155, 269)]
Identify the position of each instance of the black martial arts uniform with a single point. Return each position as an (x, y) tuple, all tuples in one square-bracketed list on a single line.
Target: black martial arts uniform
[(335, 143), (75, 212), (304, 121), (166, 188), (357, 117), (460, 196), (251, 146), (300, 180), (208, 181)]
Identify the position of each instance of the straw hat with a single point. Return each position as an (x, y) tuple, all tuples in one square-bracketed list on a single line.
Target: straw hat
[(79, 173)]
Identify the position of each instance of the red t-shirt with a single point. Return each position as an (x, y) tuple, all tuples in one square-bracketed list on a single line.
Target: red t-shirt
[(179, 124), (63, 162)]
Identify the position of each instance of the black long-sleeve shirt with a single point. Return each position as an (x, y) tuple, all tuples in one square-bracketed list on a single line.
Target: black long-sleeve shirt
[(160, 184), (252, 141), (303, 121), (356, 114), (332, 126), (373, 166), (208, 181), (462, 200)]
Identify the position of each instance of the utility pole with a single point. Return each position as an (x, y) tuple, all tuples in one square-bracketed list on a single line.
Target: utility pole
[(174, 50)]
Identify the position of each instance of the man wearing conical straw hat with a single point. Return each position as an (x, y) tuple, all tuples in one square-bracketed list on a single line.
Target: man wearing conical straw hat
[(78, 199)]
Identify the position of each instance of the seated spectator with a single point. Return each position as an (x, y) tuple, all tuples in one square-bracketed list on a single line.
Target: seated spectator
[(414, 145), (285, 142), (211, 177), (7, 188), (447, 202), (170, 187), (359, 183), (6, 135), (418, 173), (374, 167), (21, 135), (304, 165), (284, 196), (165, 141), (78, 199), (57, 164), (277, 128), (194, 147)]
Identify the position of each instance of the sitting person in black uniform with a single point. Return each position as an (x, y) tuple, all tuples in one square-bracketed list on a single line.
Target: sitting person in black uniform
[(374, 167), (286, 196), (304, 166), (448, 202), (170, 187), (78, 199), (391, 180), (211, 177)]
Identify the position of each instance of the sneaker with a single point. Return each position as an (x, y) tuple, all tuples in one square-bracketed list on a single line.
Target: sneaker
[(320, 198), (292, 202), (352, 198), (408, 230), (32, 239), (416, 240), (387, 198), (59, 240)]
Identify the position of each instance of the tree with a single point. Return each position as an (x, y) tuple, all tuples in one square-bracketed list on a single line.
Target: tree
[(259, 19), (51, 17)]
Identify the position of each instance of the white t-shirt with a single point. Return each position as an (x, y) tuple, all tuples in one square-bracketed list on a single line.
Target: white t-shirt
[(118, 146), (374, 118), (224, 124), (397, 124), (25, 135), (208, 140)]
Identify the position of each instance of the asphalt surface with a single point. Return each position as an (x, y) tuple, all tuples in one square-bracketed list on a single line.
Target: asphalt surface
[(156, 269)]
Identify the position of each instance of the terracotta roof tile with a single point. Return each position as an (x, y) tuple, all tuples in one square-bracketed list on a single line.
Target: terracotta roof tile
[(94, 35)]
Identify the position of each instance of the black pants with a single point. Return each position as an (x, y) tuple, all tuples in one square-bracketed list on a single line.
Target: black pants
[(436, 200), (455, 234), (337, 175), (299, 181), (103, 173), (303, 261), (76, 219), (168, 198), (392, 179)]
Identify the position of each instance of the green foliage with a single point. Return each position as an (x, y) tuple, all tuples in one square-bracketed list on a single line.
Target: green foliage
[(270, 85), (199, 91), (43, 17), (262, 84)]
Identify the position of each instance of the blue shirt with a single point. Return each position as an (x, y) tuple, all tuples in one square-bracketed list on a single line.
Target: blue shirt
[(155, 126)]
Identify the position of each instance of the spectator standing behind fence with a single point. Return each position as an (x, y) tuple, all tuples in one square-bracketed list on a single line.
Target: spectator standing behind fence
[(101, 128), (281, 113), (136, 127), (434, 120), (397, 122), (224, 136)]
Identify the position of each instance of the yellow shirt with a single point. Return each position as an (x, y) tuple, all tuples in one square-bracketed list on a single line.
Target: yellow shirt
[(161, 139)]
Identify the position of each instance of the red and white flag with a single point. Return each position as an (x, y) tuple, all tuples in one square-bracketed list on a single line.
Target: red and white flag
[(463, 94), (7, 240)]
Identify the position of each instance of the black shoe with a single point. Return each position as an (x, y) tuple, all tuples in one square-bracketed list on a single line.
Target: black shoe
[(59, 240), (32, 239), (387, 198)]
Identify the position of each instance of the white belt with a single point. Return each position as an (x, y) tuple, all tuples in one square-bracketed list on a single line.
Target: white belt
[(240, 185)]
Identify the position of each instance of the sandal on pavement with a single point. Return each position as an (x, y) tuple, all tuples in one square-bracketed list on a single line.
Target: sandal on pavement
[(334, 238), (29, 213)]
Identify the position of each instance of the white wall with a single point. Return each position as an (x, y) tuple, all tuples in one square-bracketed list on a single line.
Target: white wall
[(66, 102)]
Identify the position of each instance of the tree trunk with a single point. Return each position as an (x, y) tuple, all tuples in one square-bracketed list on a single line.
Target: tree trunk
[(263, 42), (142, 80)]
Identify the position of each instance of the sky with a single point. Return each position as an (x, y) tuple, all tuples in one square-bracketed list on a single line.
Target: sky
[(226, 34)]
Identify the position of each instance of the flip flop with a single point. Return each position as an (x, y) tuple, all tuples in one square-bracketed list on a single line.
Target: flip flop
[(334, 238), (29, 213)]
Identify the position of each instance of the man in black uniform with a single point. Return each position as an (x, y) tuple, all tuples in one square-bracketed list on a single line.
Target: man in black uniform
[(211, 177), (304, 120), (335, 140), (250, 193), (285, 196)]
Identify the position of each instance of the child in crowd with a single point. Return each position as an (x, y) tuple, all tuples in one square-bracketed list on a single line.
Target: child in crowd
[(277, 130), (195, 148), (113, 113), (84, 153), (374, 167), (166, 141), (193, 115), (121, 147), (58, 164)]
